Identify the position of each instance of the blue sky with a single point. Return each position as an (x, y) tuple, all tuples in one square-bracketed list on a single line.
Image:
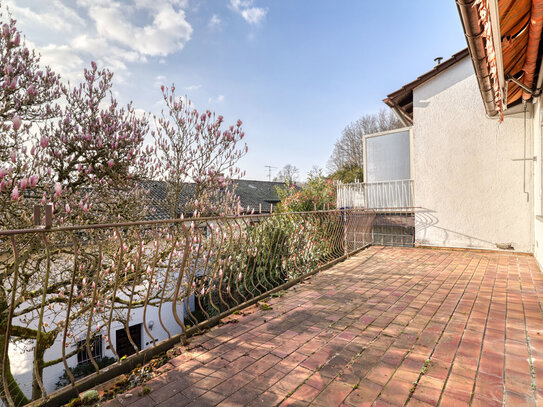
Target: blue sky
[(295, 71)]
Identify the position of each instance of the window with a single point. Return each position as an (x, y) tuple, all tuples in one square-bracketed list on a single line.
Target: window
[(124, 346), (95, 348)]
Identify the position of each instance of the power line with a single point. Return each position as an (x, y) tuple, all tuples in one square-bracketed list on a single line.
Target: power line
[(269, 168)]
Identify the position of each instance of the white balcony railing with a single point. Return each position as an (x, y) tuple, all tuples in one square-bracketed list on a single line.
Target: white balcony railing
[(383, 194)]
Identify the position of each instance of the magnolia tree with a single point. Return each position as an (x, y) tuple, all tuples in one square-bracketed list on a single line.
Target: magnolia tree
[(27, 98), (77, 149), (95, 154), (194, 146)]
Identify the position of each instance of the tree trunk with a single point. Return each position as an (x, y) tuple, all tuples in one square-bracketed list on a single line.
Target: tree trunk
[(15, 391), (36, 390)]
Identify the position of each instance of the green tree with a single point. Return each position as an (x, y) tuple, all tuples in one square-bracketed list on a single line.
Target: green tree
[(348, 174), (318, 193)]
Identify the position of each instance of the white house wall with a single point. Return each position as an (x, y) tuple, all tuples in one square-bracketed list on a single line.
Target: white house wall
[(538, 179), (21, 360), (471, 192)]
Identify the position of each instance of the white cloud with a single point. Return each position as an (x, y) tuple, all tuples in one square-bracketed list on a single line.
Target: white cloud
[(218, 99), (192, 87), (168, 32), (54, 15), (113, 33), (254, 15), (63, 59), (215, 21), (245, 8)]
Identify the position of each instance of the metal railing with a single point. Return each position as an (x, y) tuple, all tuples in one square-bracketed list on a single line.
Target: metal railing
[(384, 194), (394, 226), (127, 291)]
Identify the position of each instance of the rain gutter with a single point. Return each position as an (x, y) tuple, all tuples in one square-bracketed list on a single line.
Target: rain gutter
[(532, 50), (475, 36)]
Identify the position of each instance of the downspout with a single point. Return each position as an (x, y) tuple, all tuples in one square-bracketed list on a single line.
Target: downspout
[(475, 36), (532, 50)]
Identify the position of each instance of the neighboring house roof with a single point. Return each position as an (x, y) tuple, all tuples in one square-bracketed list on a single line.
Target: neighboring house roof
[(401, 101), (252, 194)]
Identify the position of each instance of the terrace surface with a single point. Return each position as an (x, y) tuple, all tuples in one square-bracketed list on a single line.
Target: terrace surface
[(388, 327)]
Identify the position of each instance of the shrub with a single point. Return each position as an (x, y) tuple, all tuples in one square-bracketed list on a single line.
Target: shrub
[(317, 194)]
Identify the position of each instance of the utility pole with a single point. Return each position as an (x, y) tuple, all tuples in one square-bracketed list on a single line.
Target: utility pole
[(269, 168)]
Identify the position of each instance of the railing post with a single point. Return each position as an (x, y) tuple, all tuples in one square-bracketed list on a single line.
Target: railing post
[(37, 215), (48, 216)]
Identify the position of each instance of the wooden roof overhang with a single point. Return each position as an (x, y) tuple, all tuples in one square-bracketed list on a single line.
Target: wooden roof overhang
[(504, 42)]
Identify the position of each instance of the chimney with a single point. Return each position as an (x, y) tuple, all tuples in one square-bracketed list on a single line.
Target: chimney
[(438, 60)]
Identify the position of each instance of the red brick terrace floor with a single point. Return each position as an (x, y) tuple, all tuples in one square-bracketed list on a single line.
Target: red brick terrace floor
[(389, 327)]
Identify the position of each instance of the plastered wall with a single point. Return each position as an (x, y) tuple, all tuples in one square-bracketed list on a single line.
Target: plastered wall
[(473, 190)]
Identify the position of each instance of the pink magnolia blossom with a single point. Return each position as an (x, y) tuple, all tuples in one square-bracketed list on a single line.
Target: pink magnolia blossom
[(33, 181), (44, 141), (16, 122), (23, 183), (58, 189), (15, 194)]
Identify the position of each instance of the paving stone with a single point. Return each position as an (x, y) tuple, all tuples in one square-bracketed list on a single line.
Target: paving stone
[(442, 324)]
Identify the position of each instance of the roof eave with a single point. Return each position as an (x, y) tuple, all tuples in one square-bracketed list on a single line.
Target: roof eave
[(476, 37)]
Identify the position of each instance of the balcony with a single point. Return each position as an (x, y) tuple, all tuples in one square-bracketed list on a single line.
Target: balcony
[(282, 309), (392, 326)]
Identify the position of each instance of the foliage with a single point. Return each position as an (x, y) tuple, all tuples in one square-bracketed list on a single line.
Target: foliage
[(270, 252), (95, 154), (194, 146), (348, 174), (318, 193)]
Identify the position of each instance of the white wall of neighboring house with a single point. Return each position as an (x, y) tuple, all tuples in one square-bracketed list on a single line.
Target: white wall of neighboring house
[(471, 192), (22, 361)]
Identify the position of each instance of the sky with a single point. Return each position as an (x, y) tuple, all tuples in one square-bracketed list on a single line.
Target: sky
[(296, 72)]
